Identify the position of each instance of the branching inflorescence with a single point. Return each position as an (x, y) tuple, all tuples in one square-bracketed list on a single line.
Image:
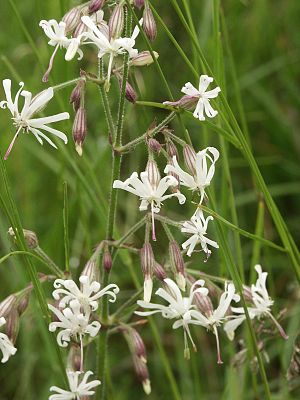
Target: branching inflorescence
[(77, 317)]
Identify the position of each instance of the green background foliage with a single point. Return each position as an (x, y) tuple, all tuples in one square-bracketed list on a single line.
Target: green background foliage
[(264, 41)]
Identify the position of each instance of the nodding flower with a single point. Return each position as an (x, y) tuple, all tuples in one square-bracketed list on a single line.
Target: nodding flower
[(201, 97), (261, 304), (179, 308), (151, 189), (197, 227), (23, 118)]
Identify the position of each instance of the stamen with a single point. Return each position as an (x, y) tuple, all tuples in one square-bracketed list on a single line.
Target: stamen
[(107, 83), (186, 352), (218, 346), (47, 73), (279, 327), (153, 222), (12, 143)]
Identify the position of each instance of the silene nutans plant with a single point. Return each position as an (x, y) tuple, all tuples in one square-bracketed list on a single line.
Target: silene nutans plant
[(149, 169)]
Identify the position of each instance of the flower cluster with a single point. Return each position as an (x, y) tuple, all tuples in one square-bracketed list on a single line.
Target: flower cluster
[(73, 316)]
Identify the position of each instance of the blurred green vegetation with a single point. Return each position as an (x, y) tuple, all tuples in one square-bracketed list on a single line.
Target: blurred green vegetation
[(265, 42)]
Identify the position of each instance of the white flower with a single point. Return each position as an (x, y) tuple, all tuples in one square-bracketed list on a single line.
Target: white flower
[(203, 174), (151, 193), (111, 46), (197, 227), (77, 389), (214, 318), (73, 323), (203, 105), (6, 345), (23, 119), (262, 304), (179, 307), (88, 295), (56, 32)]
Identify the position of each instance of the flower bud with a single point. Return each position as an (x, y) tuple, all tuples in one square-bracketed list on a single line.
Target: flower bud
[(29, 236), (95, 5), (143, 58), (154, 145), (74, 357), (77, 93), (177, 264), (142, 373), (130, 93), (159, 272), (189, 156), (149, 24), (147, 263), (172, 149), (107, 260), (116, 21), (7, 305), (23, 302), (153, 173), (12, 325), (72, 19), (79, 129), (139, 3), (91, 268), (135, 342), (80, 29)]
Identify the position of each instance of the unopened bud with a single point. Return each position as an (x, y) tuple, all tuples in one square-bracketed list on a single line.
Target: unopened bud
[(77, 93), (130, 93), (116, 21), (172, 149), (7, 305), (80, 29), (91, 269), (143, 58), (159, 272), (154, 145), (189, 155), (79, 129), (139, 3), (136, 343), (177, 264), (23, 302), (12, 325), (72, 19), (107, 260), (142, 373), (153, 173), (147, 263), (74, 358), (95, 5), (29, 236), (149, 24)]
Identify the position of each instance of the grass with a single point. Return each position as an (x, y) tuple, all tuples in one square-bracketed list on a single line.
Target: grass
[(66, 199)]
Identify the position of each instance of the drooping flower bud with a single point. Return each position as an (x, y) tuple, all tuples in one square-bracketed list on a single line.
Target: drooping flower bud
[(147, 263), (139, 3), (74, 357), (95, 5), (130, 93), (177, 264), (107, 260), (172, 149), (23, 302), (72, 19), (116, 21), (79, 129), (189, 156), (12, 325), (154, 145), (80, 28), (7, 305), (143, 58), (77, 93), (153, 173), (159, 272), (139, 356), (149, 24), (91, 269), (30, 237)]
